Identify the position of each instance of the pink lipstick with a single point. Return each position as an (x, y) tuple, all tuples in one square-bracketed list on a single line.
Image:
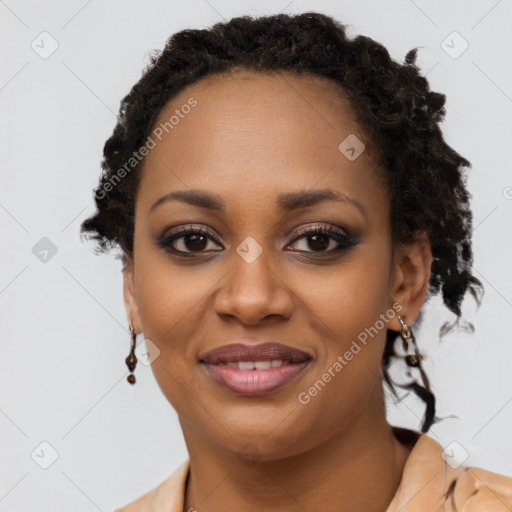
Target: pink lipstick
[(254, 369)]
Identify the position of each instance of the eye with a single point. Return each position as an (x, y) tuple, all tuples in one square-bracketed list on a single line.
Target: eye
[(322, 238), (187, 240)]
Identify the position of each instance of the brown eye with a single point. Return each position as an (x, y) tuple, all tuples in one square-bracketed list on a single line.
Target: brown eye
[(319, 242), (195, 241), (324, 240), (186, 240)]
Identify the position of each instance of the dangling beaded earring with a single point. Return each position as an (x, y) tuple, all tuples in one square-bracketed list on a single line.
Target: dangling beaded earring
[(131, 360), (406, 334), (414, 360)]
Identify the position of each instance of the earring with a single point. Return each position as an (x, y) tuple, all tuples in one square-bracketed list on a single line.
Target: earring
[(131, 360), (406, 334)]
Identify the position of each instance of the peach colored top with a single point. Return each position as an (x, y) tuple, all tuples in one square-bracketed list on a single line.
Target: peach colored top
[(426, 480)]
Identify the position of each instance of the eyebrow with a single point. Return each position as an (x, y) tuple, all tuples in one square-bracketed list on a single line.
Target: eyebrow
[(289, 201)]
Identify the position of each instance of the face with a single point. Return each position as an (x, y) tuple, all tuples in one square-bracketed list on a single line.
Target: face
[(261, 263)]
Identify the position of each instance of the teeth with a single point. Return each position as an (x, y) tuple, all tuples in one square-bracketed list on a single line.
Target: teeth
[(259, 365)]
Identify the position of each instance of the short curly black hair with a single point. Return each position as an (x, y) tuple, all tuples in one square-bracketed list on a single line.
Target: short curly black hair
[(393, 104)]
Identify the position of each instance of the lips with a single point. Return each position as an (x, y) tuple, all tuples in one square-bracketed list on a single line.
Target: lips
[(251, 370), (269, 351)]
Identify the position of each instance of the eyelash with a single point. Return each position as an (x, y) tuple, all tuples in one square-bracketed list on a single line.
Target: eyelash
[(343, 237)]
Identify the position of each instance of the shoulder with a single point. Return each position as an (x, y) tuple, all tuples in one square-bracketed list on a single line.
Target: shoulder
[(432, 480), (479, 489), (168, 495)]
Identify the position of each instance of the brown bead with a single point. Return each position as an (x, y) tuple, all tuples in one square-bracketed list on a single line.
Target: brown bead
[(131, 379), (412, 360), (131, 362)]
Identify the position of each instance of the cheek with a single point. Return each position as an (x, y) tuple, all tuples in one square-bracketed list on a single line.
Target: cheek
[(168, 298), (351, 299), (168, 295), (173, 301), (347, 376), (347, 311)]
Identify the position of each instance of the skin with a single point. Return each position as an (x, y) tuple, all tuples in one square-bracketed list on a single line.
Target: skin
[(251, 137)]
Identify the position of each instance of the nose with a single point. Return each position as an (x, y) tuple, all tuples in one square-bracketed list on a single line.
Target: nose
[(253, 291)]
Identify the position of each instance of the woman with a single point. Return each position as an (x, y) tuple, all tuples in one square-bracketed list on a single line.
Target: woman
[(285, 203)]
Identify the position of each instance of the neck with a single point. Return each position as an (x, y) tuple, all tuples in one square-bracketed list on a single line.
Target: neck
[(359, 468)]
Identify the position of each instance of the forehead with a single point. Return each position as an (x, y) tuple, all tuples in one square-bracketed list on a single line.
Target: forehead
[(264, 102), (258, 131)]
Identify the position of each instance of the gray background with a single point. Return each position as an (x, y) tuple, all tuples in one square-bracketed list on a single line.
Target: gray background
[(64, 330)]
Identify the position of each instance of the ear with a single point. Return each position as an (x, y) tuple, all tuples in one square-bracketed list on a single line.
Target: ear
[(130, 303), (410, 278)]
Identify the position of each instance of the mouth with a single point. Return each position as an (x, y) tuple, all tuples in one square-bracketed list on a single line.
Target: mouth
[(251, 370)]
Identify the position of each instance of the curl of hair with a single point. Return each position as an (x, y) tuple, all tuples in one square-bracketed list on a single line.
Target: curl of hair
[(393, 104)]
